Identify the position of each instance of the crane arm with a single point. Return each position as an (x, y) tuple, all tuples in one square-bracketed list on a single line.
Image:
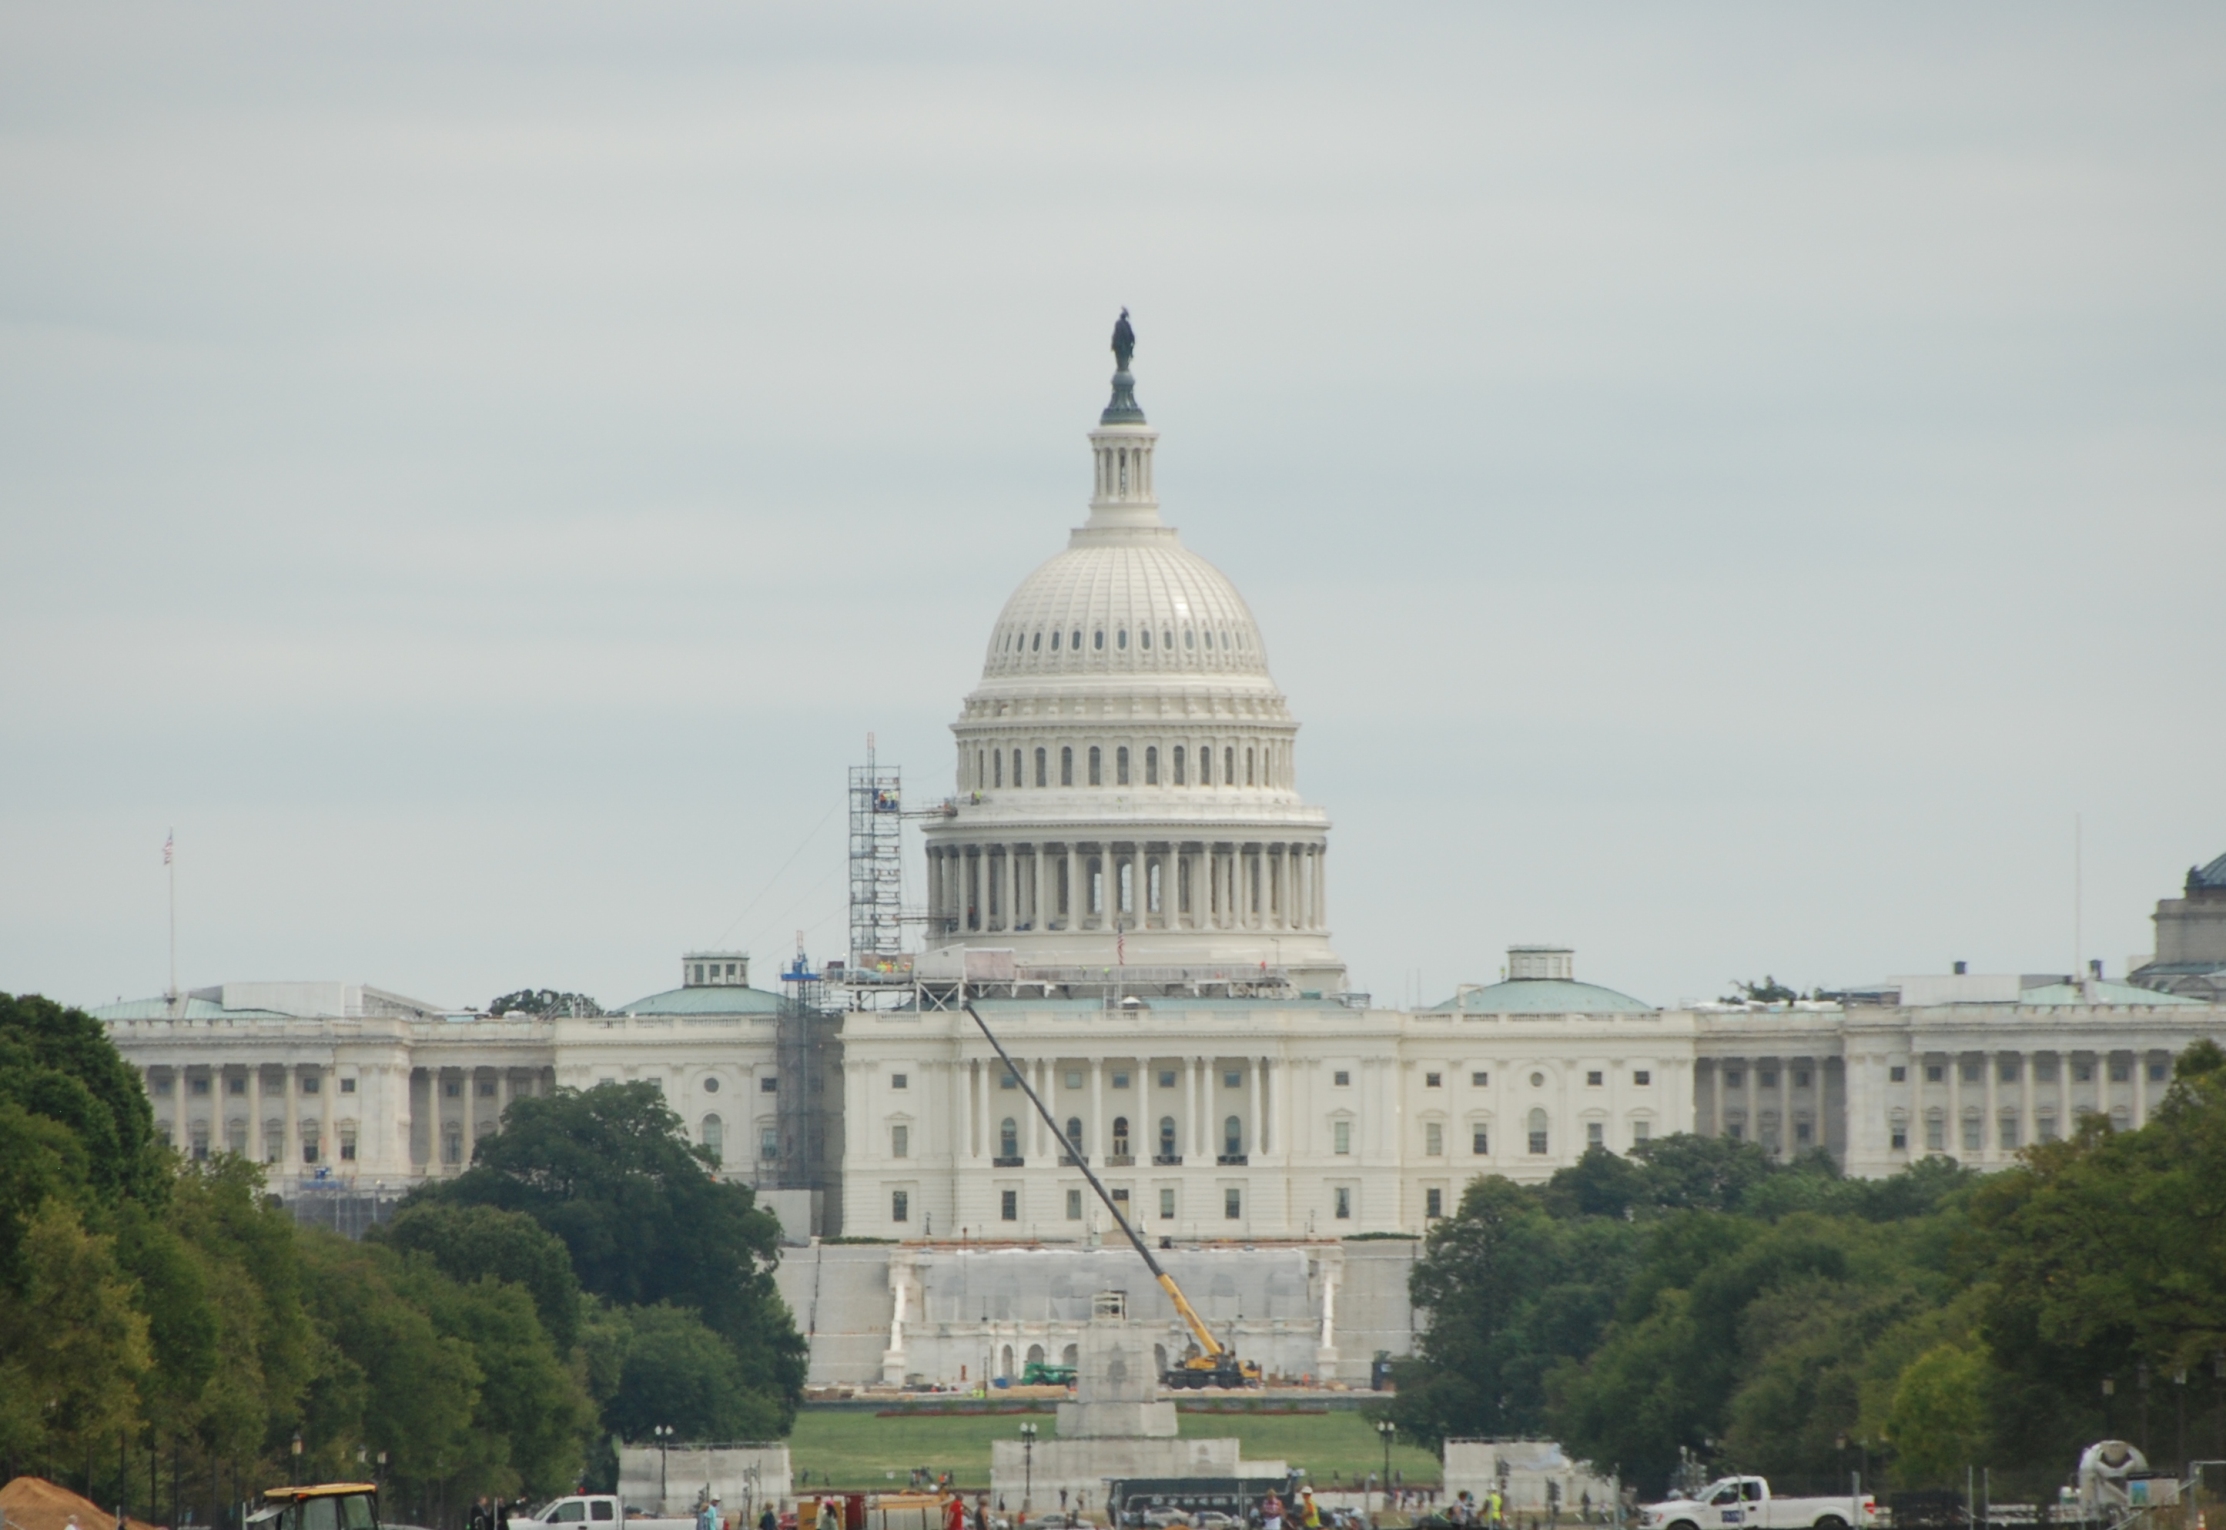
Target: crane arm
[(1211, 1346)]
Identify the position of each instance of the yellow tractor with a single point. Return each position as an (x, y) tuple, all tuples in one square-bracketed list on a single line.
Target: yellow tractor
[(323, 1506)]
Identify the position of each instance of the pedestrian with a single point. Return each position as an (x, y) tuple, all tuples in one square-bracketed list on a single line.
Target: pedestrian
[(1271, 1512), (1309, 1516), (981, 1511), (954, 1513), (768, 1520), (481, 1517)]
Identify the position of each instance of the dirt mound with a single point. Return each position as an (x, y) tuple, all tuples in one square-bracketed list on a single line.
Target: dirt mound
[(33, 1503)]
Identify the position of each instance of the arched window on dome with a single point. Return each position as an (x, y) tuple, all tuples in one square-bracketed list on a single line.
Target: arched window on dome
[(1144, 636), (1054, 642), (1035, 644), (1120, 766), (1097, 639), (1177, 762), (997, 768), (1190, 638), (1209, 637), (1043, 765), (1096, 777), (1151, 764), (981, 771), (1066, 765), (1248, 769), (1229, 767), (1016, 768), (1075, 642), (1205, 765), (1120, 638), (1167, 639)]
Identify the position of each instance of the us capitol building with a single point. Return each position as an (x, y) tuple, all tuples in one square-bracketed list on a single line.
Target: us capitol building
[(1130, 888)]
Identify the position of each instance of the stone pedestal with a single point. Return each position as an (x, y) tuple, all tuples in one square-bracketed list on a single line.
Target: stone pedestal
[(1116, 1396)]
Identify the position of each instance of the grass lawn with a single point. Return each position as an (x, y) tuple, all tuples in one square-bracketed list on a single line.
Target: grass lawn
[(863, 1450)]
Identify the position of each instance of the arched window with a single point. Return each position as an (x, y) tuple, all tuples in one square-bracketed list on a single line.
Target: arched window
[(1538, 1133), (1205, 765), (997, 768), (1190, 638), (1249, 779), (1016, 767), (1006, 1369), (1097, 638), (1229, 767), (1008, 1138), (1167, 1136), (1066, 766), (1120, 766), (1054, 642), (1076, 642), (1144, 636), (1074, 1134), (1067, 1355), (1120, 1134), (1209, 637), (1035, 644), (1035, 1354), (1178, 764), (1042, 765), (1232, 1137), (1151, 764), (1096, 776), (768, 1142), (1120, 639), (715, 1138), (1167, 639)]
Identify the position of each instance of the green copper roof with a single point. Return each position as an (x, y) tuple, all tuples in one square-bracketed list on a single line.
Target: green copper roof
[(709, 999), (189, 1008), (1545, 996)]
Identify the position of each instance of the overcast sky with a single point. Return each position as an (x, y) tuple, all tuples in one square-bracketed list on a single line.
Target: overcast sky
[(1722, 487)]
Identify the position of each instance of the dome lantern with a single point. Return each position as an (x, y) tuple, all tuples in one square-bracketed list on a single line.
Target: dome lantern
[(1121, 448)]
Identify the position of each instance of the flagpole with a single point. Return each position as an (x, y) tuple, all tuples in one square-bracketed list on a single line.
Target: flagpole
[(170, 860)]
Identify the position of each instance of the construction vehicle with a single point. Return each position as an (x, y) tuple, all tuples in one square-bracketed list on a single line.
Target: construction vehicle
[(1214, 1364), (322, 1506), (1037, 1374)]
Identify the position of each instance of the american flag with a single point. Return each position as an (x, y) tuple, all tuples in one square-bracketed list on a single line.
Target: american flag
[(167, 841)]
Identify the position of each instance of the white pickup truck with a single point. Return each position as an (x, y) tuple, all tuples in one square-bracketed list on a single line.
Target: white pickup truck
[(589, 1510), (1746, 1502)]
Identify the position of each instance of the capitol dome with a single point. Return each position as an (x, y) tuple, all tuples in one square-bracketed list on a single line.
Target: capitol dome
[(1127, 780)]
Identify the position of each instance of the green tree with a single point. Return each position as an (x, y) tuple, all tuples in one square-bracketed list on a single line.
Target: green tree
[(1937, 1421), (676, 1371), (469, 1242), (72, 1344), (58, 1063), (610, 1172)]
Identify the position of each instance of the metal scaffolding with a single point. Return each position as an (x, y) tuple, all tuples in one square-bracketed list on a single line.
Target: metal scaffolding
[(876, 866)]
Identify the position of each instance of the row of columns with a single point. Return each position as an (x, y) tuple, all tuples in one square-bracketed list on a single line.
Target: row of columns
[(1198, 1122), (1195, 885)]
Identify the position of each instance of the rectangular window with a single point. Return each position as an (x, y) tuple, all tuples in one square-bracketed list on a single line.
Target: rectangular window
[(2009, 1134), (1897, 1074), (1969, 1069), (1120, 766), (1433, 1139), (2006, 1069), (2044, 1069), (1120, 1080), (900, 1081), (348, 1147), (1538, 1143), (1480, 1080), (768, 1143), (1936, 1135), (1167, 1205), (2082, 1073), (1008, 1205), (1095, 773), (1973, 1127), (1008, 1081), (162, 1087), (1900, 1138), (2048, 1128), (1803, 1131), (900, 1142), (900, 1205), (1074, 1078), (1800, 1078), (1433, 1203), (1596, 1134), (1341, 1200), (2120, 1072), (239, 1085), (1734, 1078), (1341, 1136), (1341, 1078), (2157, 1072), (201, 1086), (1594, 1079), (1433, 1081), (1642, 1078), (1480, 1141), (1768, 1078), (310, 1084), (1232, 1079), (1736, 1131), (1178, 765), (1167, 1078), (770, 1084), (1935, 1073), (347, 1086), (1074, 1205), (450, 1089), (1641, 1131), (487, 1089)]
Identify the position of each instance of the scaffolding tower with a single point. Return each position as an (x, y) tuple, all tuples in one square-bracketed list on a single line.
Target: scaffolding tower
[(876, 867)]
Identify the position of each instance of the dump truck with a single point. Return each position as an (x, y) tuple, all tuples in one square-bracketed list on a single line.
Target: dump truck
[(1213, 1363)]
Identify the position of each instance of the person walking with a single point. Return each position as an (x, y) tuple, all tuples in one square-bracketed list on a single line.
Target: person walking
[(1271, 1511), (954, 1513), (481, 1517)]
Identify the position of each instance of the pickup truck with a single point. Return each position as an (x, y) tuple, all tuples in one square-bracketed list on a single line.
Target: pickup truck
[(592, 1509), (1746, 1502)]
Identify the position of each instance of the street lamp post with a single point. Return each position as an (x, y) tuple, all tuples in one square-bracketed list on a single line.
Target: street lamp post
[(295, 1451), (663, 1432), (1027, 1466), (1385, 1429)]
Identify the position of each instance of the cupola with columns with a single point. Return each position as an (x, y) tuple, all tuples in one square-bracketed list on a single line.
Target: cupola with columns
[(1127, 784)]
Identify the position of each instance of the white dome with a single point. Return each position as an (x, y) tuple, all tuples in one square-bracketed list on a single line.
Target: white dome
[(1127, 601)]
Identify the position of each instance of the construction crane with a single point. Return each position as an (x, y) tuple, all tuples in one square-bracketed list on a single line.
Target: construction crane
[(1215, 1364)]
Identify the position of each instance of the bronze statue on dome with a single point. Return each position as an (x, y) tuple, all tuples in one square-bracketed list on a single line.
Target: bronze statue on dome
[(1124, 341)]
